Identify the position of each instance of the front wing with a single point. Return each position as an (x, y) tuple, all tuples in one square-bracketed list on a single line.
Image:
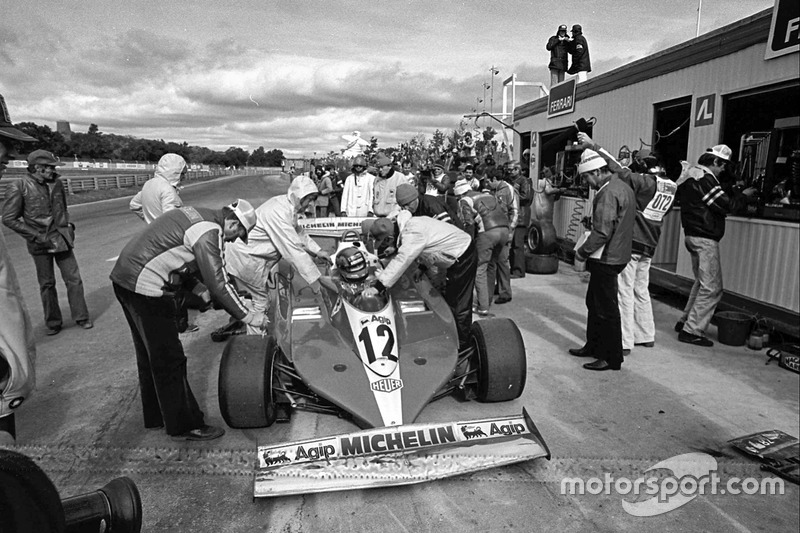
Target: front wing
[(396, 455)]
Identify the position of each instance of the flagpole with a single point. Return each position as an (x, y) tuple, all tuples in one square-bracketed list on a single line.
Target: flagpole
[(699, 10)]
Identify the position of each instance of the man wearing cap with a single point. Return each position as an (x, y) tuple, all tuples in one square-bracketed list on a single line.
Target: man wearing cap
[(17, 349), (384, 188), (36, 208), (499, 268), (704, 206), (277, 235), (579, 50), (557, 45), (524, 194), (437, 245), (438, 184), (144, 281), (357, 195), (608, 250)]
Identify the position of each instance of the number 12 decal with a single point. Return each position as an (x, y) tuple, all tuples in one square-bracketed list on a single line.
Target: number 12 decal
[(382, 331)]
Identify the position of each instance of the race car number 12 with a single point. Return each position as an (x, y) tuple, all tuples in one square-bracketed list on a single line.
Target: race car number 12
[(382, 331)]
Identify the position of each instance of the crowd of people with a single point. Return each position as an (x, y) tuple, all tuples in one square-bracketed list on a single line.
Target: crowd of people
[(462, 222)]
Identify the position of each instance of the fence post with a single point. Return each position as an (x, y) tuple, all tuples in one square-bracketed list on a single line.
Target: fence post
[(118, 185), (96, 183), (69, 186)]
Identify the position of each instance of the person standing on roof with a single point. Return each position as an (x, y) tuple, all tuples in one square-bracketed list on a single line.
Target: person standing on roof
[(557, 45), (579, 50), (144, 281), (438, 245), (384, 190), (160, 193), (277, 235), (357, 196)]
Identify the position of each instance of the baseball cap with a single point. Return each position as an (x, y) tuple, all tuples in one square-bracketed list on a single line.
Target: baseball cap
[(722, 151), (247, 216), (381, 228), (576, 27), (563, 27), (7, 129)]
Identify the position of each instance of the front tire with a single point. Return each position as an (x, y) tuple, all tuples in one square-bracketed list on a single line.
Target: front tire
[(500, 358), (245, 382)]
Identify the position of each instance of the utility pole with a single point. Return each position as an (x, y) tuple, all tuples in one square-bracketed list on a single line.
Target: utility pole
[(493, 72)]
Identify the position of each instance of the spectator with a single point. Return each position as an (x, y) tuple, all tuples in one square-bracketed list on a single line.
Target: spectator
[(276, 236), (160, 193), (557, 44), (499, 269), (522, 187), (654, 199), (482, 213), (704, 206), (608, 250), (384, 202), (357, 196), (408, 171), (579, 50), (17, 349), (325, 187), (624, 155), (36, 208), (335, 198), (469, 175), (142, 277), (437, 245), (438, 184)]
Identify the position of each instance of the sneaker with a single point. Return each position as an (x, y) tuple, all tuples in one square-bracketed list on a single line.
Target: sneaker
[(202, 433), (696, 340), (481, 312), (85, 324), (679, 326), (53, 331)]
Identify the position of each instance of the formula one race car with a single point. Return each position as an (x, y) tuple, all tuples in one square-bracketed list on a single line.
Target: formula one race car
[(377, 359)]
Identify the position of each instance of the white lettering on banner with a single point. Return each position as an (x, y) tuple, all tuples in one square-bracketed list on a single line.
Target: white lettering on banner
[(561, 103)]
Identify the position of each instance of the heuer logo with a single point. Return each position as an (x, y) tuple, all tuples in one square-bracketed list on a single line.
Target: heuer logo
[(387, 385)]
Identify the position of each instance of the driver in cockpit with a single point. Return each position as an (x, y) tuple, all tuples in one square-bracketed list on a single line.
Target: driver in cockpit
[(353, 274)]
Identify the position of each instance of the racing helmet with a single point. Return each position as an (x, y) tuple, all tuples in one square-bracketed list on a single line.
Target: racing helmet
[(352, 265)]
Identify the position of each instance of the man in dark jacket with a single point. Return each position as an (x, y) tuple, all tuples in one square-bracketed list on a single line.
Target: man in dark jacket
[(608, 251), (36, 208), (579, 50), (704, 205), (523, 187), (145, 279), (557, 45)]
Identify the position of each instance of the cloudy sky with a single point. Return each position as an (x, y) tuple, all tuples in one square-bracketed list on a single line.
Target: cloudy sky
[(298, 74)]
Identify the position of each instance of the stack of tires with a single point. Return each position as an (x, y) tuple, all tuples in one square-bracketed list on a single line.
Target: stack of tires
[(541, 255)]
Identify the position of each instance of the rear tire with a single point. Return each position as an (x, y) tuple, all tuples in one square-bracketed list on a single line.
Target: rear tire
[(541, 264), (245, 382), (542, 238), (500, 358)]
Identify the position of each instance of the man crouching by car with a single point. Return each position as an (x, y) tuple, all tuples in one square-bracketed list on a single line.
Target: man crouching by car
[(143, 279), (438, 245)]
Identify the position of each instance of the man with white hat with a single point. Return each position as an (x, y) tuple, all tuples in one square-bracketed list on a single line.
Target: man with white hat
[(704, 205), (17, 349), (145, 279), (36, 208), (608, 251)]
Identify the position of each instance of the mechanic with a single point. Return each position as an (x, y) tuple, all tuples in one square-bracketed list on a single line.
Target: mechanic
[(408, 198), (17, 349), (524, 193), (143, 281), (384, 188), (277, 235), (614, 211), (654, 199), (437, 245), (358, 190), (36, 208), (499, 268), (160, 193)]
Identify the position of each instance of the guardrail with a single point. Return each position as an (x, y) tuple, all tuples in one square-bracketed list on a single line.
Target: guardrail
[(79, 184)]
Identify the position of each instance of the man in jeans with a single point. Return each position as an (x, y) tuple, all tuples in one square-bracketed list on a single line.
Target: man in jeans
[(704, 205)]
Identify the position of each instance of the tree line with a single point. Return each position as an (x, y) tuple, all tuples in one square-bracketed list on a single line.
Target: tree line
[(99, 146)]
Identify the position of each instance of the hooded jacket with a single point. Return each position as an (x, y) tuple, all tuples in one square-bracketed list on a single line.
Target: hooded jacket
[(276, 235), (17, 349), (160, 194), (384, 203), (357, 195)]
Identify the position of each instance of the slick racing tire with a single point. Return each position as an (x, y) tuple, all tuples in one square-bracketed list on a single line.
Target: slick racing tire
[(245, 382), (541, 238), (541, 264), (500, 360)]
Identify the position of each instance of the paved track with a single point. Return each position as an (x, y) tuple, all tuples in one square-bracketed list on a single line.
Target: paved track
[(84, 427)]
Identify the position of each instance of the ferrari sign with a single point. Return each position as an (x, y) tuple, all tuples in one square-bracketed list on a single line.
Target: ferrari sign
[(561, 100), (784, 34)]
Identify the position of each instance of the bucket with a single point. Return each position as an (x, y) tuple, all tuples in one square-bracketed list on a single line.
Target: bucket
[(733, 327)]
